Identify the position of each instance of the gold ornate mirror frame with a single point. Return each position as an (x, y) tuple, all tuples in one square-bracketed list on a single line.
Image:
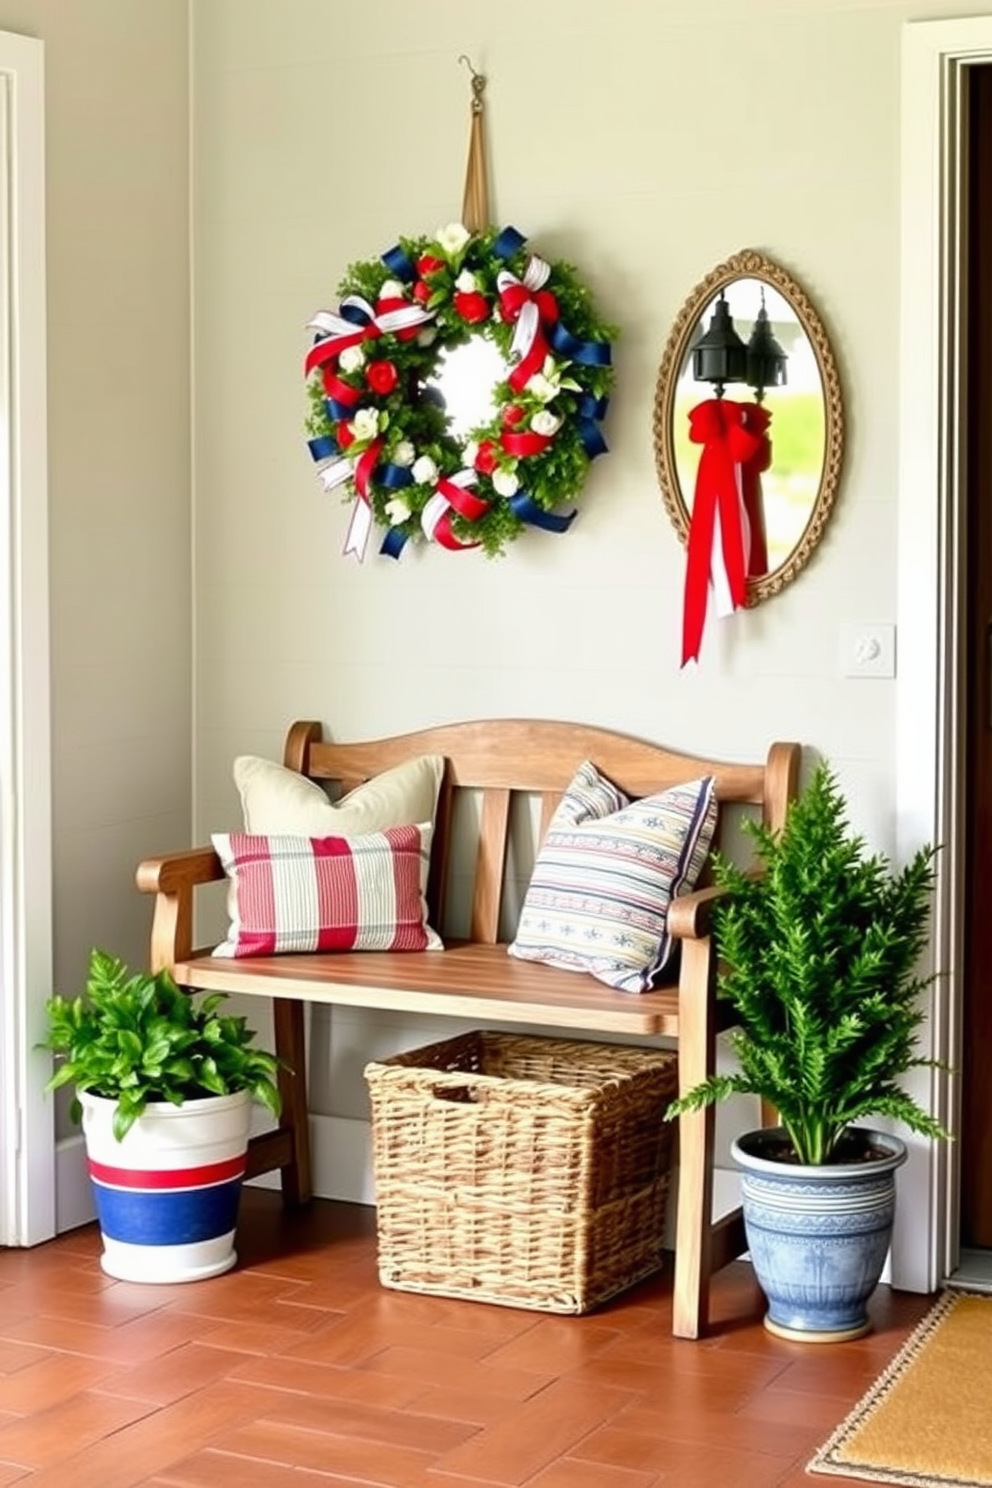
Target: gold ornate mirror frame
[(750, 264)]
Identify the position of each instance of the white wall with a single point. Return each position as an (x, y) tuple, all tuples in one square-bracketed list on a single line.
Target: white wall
[(119, 455)]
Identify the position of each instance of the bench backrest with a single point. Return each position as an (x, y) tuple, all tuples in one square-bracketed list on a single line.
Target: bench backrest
[(504, 765)]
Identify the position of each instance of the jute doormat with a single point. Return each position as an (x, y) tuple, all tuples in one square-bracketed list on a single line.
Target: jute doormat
[(927, 1421)]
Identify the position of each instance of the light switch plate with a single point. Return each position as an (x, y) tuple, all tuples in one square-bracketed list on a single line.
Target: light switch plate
[(868, 650)]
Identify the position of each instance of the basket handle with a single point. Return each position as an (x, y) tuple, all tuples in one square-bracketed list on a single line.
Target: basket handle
[(463, 1094)]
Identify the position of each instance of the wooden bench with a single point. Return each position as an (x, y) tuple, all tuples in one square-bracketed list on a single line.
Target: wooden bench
[(496, 761)]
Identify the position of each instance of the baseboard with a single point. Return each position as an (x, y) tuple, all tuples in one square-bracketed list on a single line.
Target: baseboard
[(340, 1158), (73, 1192)]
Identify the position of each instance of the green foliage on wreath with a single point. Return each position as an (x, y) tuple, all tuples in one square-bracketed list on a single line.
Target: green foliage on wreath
[(456, 283)]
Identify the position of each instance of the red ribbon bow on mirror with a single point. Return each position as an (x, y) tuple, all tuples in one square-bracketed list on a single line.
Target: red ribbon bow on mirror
[(726, 528)]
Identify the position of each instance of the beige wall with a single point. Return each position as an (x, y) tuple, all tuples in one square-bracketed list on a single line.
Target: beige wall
[(116, 81)]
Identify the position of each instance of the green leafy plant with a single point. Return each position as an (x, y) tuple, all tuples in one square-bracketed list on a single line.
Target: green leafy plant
[(818, 955), (138, 1038)]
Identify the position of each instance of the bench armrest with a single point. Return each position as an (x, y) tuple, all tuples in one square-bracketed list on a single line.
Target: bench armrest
[(690, 916), (172, 880)]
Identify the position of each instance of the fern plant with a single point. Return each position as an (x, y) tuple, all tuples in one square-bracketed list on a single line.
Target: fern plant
[(138, 1038), (818, 954)]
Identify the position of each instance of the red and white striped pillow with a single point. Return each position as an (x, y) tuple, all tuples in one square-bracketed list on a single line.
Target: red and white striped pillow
[(294, 894)]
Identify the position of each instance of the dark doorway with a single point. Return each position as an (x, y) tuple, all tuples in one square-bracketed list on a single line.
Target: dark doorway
[(976, 1112)]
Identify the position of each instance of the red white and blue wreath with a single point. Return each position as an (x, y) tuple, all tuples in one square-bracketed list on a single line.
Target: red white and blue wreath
[(379, 433)]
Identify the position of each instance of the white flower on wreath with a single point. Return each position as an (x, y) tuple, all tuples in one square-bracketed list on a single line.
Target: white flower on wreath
[(505, 483), (548, 383), (352, 359), (544, 422), (466, 282), (392, 289), (424, 471), (453, 238), (427, 336), (404, 453), (365, 424), (397, 511), (469, 453)]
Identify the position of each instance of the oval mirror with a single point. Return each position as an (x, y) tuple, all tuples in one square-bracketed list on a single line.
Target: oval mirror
[(805, 429)]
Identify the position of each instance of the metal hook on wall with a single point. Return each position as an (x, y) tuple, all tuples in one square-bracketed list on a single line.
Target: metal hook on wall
[(478, 83)]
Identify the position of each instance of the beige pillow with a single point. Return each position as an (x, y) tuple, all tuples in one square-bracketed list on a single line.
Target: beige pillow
[(277, 800)]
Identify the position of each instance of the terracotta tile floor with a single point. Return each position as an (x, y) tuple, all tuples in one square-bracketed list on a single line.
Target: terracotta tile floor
[(297, 1370)]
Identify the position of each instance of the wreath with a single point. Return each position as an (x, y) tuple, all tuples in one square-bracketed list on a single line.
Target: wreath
[(378, 428)]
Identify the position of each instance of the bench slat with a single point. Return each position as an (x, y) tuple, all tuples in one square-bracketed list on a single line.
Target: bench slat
[(490, 866)]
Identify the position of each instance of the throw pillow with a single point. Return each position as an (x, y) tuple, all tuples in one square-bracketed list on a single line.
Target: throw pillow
[(277, 800), (296, 894), (606, 874)]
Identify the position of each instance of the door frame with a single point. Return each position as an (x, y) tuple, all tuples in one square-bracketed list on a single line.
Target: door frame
[(27, 1141), (936, 56)]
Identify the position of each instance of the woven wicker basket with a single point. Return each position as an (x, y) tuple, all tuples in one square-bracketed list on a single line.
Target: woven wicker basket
[(527, 1171)]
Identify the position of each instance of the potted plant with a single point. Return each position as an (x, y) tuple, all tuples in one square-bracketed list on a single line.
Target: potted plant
[(818, 950), (164, 1085)]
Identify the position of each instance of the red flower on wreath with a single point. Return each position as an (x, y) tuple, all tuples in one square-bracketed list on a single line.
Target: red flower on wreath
[(485, 460), (513, 414), (426, 264), (470, 305), (382, 377)]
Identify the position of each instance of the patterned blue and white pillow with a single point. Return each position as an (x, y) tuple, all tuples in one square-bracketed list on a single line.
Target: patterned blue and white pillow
[(606, 874)]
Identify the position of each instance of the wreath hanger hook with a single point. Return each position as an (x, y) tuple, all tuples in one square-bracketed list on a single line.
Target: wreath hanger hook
[(478, 83)]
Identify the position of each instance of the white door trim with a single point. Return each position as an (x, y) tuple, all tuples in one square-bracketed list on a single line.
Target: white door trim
[(27, 1146), (935, 60)]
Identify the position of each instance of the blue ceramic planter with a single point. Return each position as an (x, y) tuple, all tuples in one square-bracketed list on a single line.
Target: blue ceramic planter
[(818, 1236)]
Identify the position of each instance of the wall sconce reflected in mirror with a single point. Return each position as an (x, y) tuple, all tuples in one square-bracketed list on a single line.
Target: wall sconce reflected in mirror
[(720, 356), (765, 358)]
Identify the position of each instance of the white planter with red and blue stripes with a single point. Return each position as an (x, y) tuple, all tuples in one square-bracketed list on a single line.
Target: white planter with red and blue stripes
[(167, 1195)]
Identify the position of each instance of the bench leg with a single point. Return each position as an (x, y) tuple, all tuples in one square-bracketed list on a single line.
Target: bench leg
[(288, 1015), (693, 1243), (694, 1223)]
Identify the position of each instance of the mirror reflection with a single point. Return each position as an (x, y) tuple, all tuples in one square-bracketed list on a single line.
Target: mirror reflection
[(750, 303), (467, 378)]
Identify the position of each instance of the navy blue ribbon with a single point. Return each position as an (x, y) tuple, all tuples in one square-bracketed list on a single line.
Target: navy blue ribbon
[(588, 414), (337, 411), (508, 243), (323, 447), (593, 441), (527, 509), (588, 353), (591, 407), (393, 543), (394, 476), (399, 263), (355, 315)]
